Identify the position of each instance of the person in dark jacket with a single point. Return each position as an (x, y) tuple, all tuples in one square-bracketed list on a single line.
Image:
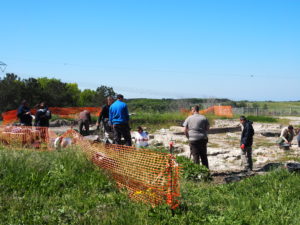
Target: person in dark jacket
[(104, 115), (247, 141), (119, 118), (24, 114), (42, 116)]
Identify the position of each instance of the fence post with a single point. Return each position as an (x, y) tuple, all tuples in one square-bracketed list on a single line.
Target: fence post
[(170, 176)]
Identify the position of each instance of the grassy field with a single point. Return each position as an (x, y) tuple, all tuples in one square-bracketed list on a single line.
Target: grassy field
[(62, 187), (276, 105), (154, 121)]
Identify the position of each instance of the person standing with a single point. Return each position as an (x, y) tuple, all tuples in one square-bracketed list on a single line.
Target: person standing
[(84, 121), (42, 116), (104, 115), (247, 141), (119, 118), (195, 129), (24, 114)]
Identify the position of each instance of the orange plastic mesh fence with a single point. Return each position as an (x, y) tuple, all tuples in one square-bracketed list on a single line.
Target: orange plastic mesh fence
[(69, 112), (225, 111), (27, 137), (149, 176)]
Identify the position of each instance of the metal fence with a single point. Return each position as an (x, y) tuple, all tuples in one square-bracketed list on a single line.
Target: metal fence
[(289, 111)]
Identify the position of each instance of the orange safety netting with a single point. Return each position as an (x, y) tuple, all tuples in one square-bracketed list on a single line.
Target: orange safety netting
[(149, 176), (27, 137), (69, 112), (225, 111)]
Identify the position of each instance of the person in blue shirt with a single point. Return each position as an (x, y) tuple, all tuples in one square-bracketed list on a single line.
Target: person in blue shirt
[(119, 119)]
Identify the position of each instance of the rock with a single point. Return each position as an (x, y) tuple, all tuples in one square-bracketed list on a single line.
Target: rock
[(271, 134), (293, 167), (214, 152), (62, 122), (178, 148), (232, 179), (270, 166), (91, 138), (176, 129)]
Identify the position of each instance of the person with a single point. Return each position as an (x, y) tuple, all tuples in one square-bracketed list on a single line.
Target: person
[(246, 142), (62, 142), (119, 118), (84, 121), (141, 137), (286, 137), (104, 115), (298, 137), (24, 114), (42, 116), (195, 129)]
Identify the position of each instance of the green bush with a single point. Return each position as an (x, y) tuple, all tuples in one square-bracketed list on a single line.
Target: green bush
[(192, 171)]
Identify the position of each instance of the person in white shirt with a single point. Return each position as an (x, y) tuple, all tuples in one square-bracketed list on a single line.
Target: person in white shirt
[(141, 138)]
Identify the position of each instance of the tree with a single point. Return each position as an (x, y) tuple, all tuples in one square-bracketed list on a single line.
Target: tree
[(87, 97), (102, 93), (10, 92), (50, 90), (74, 92)]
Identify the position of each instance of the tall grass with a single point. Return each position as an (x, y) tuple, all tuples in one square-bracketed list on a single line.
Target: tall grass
[(64, 188)]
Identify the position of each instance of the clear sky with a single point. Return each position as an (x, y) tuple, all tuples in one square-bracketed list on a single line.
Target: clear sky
[(237, 49)]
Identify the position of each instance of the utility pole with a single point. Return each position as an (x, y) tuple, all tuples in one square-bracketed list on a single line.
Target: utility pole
[(2, 66)]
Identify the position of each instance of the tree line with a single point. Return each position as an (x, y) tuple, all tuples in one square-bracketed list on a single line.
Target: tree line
[(53, 91), (56, 93)]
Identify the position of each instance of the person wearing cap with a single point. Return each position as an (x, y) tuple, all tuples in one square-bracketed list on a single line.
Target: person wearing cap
[(119, 118), (246, 142), (286, 137), (195, 129)]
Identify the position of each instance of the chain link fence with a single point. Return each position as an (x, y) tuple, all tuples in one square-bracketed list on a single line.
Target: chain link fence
[(289, 111)]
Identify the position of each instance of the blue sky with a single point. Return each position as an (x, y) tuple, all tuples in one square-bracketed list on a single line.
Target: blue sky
[(243, 49)]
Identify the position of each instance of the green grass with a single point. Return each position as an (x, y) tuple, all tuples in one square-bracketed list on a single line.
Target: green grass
[(156, 120), (268, 199), (62, 187), (277, 105), (267, 119), (58, 188)]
